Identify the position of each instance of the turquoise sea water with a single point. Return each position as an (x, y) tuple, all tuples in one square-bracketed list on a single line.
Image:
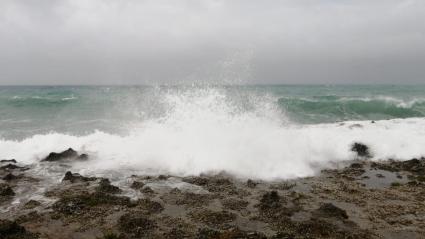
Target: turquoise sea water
[(262, 132), (30, 110)]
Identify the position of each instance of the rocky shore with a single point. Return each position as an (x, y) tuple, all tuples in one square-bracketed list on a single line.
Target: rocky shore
[(361, 199)]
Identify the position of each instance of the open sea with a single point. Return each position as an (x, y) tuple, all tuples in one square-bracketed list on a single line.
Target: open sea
[(267, 132)]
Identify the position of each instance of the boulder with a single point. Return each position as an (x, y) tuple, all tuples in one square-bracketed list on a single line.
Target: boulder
[(330, 210), (75, 177), (6, 190), (361, 150), (67, 154)]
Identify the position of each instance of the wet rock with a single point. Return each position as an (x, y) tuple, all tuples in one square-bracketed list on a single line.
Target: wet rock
[(6, 190), (234, 204), (148, 206), (10, 177), (32, 204), (83, 157), (177, 233), (213, 218), (137, 225), (77, 204), (213, 184), (10, 166), (356, 166), (8, 161), (318, 228), (251, 184), (147, 190), (232, 233), (106, 187), (283, 186), (75, 177), (137, 185), (361, 150), (188, 199), (163, 177), (235, 233), (270, 200), (330, 210), (12, 230), (67, 154), (413, 165)]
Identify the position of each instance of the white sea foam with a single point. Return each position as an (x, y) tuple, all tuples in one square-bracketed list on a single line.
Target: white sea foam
[(203, 132)]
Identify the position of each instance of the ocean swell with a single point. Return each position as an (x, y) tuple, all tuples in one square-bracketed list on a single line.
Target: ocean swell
[(202, 132)]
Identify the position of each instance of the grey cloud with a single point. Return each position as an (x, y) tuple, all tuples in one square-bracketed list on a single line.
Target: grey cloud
[(219, 41)]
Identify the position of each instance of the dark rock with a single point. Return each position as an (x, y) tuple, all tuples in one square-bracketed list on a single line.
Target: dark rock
[(67, 154), (147, 190), (270, 200), (251, 184), (10, 177), (356, 165), (6, 190), (8, 161), (83, 157), (106, 187), (213, 218), (75, 177), (12, 167), (330, 210), (148, 206), (138, 225), (213, 184), (77, 204), (137, 185), (234, 204), (361, 150), (11, 229), (232, 233), (163, 177), (32, 204)]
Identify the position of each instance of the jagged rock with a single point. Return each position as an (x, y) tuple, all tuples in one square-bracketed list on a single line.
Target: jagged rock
[(8, 161), (138, 225), (10, 166), (11, 229), (270, 200), (32, 204), (361, 150), (147, 190), (330, 210), (6, 190), (10, 177), (137, 185), (67, 154), (77, 204), (232, 233), (356, 165), (148, 206), (251, 184), (106, 187), (74, 177), (83, 157), (213, 218)]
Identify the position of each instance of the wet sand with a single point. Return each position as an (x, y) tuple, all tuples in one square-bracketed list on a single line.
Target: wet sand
[(360, 199)]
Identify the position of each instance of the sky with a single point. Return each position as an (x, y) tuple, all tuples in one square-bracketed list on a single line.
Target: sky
[(214, 41)]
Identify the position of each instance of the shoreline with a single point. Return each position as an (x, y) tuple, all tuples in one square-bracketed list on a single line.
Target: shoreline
[(365, 199)]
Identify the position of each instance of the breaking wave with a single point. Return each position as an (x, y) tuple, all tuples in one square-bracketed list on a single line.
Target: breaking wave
[(204, 131)]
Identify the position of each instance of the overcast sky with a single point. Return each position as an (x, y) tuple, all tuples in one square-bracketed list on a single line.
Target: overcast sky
[(219, 41)]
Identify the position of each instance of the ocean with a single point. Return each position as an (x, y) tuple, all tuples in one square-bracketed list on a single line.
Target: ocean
[(250, 131)]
